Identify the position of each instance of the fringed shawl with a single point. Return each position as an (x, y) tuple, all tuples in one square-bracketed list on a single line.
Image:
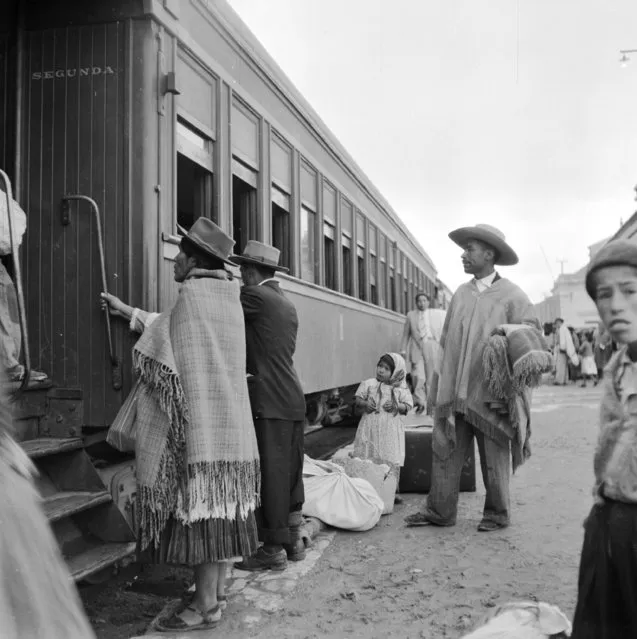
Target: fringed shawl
[(460, 387), (197, 455), (514, 360)]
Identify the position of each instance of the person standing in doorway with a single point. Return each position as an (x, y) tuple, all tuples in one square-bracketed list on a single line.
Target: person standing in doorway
[(278, 407), (463, 406)]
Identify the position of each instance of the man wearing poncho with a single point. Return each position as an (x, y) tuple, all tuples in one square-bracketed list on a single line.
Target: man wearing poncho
[(493, 352)]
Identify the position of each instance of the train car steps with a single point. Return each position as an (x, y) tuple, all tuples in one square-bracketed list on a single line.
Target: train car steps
[(91, 531)]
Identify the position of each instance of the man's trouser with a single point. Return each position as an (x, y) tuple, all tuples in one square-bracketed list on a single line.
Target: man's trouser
[(10, 335), (442, 501), (281, 451), (418, 381)]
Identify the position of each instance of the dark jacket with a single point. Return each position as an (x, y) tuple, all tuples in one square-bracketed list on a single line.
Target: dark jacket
[(271, 328)]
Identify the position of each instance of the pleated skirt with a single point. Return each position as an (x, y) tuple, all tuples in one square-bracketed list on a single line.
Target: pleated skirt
[(207, 541)]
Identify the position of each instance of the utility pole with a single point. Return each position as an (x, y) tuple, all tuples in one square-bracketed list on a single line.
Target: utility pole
[(561, 263)]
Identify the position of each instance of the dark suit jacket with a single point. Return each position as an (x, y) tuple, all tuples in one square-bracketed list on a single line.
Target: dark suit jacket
[(271, 328)]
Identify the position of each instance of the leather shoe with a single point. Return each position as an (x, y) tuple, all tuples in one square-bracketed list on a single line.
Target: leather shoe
[(262, 560), (490, 526)]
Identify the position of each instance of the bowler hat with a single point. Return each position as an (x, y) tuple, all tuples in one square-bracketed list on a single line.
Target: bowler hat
[(490, 235), (210, 239), (261, 255)]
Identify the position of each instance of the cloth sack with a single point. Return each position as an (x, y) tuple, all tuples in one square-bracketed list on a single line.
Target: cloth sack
[(339, 500), (121, 434), (523, 620), (378, 475), (19, 224)]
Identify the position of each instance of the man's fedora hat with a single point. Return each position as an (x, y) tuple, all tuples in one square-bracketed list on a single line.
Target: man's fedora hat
[(490, 235), (210, 239), (261, 255)]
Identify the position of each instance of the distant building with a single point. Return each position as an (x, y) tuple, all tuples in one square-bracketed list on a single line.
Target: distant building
[(569, 299)]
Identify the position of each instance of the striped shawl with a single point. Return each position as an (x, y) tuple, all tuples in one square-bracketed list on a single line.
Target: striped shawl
[(196, 448), (460, 386)]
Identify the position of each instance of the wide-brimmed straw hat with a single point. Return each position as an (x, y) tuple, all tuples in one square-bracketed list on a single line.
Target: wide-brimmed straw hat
[(210, 239), (261, 255), (490, 235)]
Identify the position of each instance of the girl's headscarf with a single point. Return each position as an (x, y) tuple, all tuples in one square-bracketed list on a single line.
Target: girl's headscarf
[(397, 379)]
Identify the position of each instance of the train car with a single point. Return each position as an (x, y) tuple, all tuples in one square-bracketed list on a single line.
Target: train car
[(130, 119)]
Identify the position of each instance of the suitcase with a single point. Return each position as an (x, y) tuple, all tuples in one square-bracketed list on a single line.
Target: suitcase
[(415, 475)]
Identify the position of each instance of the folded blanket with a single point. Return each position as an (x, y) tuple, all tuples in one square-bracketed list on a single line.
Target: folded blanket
[(514, 360)]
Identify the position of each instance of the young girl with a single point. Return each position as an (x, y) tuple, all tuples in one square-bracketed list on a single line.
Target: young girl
[(587, 360), (383, 400)]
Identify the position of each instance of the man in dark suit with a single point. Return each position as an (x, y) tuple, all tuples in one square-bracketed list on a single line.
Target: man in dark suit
[(278, 407)]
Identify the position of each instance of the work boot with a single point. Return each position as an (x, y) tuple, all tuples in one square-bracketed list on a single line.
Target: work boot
[(263, 560), (295, 550)]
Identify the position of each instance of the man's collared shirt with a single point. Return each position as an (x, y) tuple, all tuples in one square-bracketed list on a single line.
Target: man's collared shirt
[(486, 282), (270, 279)]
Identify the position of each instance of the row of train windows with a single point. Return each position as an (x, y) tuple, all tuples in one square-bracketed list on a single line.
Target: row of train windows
[(374, 269)]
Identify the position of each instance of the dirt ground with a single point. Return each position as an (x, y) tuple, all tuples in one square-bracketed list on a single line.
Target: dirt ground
[(429, 582)]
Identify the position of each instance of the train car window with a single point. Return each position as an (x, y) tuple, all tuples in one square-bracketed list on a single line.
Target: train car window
[(194, 192), (244, 210), (329, 256), (347, 216), (195, 155), (406, 295), (373, 264), (281, 224), (360, 256), (362, 284), (346, 247), (399, 282), (308, 244), (382, 275)]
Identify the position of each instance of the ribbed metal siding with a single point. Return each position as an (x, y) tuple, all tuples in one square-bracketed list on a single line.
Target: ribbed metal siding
[(7, 105), (74, 143)]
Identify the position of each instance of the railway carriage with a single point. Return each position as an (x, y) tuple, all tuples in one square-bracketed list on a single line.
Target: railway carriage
[(160, 112)]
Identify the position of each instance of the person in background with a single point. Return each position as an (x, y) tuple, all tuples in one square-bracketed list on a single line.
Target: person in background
[(573, 367), (607, 584), (564, 350), (411, 349), (278, 407), (38, 599), (383, 401), (587, 361), (197, 460), (10, 333), (602, 348)]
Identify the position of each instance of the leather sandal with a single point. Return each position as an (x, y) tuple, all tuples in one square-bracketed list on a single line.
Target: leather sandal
[(418, 519), (190, 618)]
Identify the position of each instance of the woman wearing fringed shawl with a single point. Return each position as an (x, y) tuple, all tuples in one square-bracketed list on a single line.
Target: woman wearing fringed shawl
[(198, 474), (464, 405), (38, 599)]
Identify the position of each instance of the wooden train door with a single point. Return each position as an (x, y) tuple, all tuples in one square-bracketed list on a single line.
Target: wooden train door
[(75, 124)]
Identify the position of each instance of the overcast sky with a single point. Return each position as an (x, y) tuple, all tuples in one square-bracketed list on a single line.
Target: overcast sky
[(506, 112)]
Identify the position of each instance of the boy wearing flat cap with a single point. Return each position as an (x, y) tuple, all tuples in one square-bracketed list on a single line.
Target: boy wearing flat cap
[(607, 586)]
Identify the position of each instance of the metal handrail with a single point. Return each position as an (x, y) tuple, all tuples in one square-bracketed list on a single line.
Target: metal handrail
[(17, 274), (116, 365)]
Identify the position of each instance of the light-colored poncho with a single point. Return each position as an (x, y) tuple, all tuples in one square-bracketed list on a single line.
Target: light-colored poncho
[(460, 387), (196, 449)]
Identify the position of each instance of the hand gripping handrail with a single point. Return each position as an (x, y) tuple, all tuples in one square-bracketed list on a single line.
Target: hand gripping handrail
[(17, 272), (116, 365)]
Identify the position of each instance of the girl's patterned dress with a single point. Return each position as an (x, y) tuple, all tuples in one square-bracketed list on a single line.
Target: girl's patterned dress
[(381, 435)]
